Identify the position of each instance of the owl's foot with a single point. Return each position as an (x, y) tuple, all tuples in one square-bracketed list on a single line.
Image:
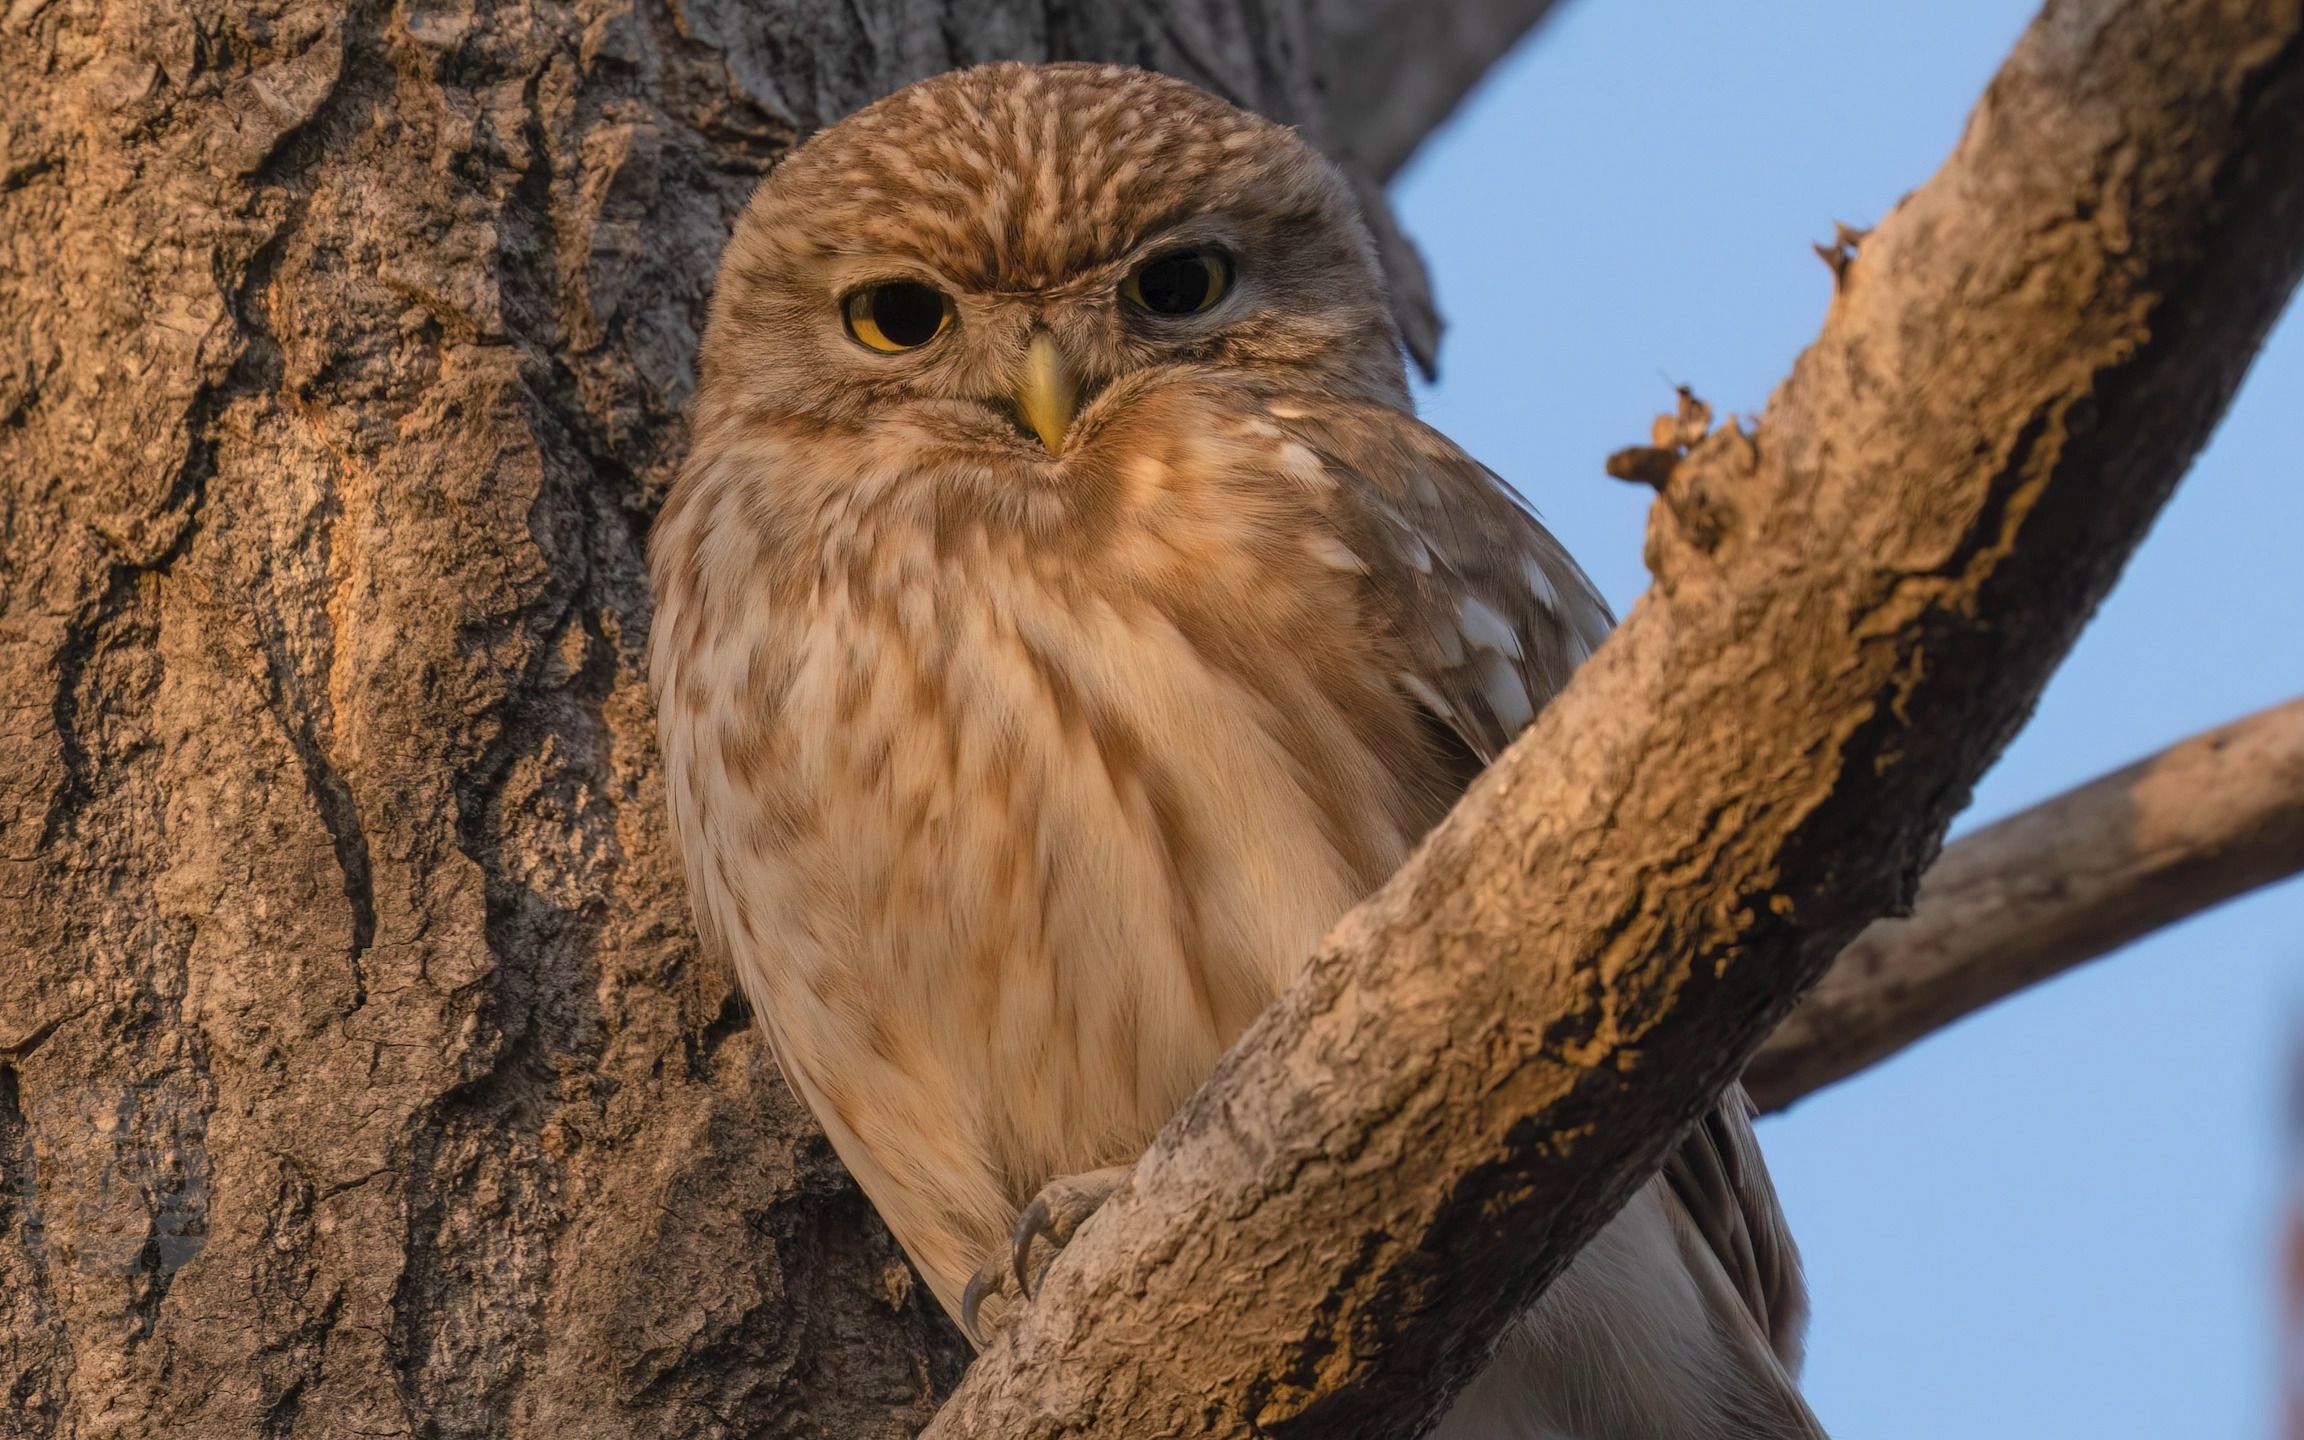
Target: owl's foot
[(1056, 1215), (1053, 1218)]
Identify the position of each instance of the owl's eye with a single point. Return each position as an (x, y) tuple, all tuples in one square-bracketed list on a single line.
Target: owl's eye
[(1182, 282), (900, 315)]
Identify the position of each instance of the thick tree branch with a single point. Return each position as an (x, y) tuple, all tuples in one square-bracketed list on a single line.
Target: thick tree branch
[(2066, 881), (1853, 610)]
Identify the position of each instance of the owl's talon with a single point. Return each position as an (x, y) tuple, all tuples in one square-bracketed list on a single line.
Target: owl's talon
[(1033, 1223), (1056, 1215), (971, 1300), (1053, 1217)]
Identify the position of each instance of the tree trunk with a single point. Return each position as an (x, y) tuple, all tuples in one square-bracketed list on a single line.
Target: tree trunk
[(358, 1070)]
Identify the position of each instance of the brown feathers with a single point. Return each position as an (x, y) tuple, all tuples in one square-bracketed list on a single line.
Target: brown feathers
[(1020, 753)]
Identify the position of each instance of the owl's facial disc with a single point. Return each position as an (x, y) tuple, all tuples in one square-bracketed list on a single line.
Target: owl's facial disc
[(985, 263)]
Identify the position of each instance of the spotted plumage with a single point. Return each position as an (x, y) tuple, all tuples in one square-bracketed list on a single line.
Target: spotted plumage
[(1062, 620)]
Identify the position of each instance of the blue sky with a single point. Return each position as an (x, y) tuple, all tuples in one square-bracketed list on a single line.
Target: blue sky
[(2055, 1219)]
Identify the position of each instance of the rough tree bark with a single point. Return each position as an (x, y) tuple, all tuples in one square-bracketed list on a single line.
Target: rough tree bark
[(358, 1074), (357, 1071), (2063, 883)]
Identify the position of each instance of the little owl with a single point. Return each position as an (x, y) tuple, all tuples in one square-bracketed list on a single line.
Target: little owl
[(1062, 621)]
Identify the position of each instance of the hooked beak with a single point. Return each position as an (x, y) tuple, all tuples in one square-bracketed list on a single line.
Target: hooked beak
[(1047, 393)]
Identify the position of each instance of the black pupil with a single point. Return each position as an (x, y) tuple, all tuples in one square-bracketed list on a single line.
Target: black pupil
[(907, 314), (1175, 284)]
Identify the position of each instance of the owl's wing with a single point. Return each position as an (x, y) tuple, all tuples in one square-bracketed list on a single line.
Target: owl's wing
[(1493, 613), (1494, 616), (1723, 1188)]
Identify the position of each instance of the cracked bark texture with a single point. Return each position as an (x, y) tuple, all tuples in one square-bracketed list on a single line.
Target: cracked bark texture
[(358, 1071)]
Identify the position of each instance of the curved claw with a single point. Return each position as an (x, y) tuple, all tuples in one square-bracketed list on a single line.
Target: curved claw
[(971, 1299), (1034, 1222)]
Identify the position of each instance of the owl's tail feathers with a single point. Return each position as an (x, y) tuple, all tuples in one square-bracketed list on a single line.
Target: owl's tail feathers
[(1771, 1406), (1642, 1337), (1767, 1404)]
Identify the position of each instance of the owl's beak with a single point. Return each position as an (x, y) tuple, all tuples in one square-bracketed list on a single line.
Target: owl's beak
[(1048, 392)]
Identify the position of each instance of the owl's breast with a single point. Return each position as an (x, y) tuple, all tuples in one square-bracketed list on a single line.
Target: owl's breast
[(1009, 857)]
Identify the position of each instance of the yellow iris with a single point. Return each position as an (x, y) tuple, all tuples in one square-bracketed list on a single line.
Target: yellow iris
[(1183, 282), (900, 315)]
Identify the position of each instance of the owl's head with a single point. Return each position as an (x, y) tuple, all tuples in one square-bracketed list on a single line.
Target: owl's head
[(980, 258)]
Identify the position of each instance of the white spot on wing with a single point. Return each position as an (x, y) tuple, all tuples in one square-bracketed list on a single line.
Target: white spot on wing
[(1506, 692), (1485, 628), (1426, 696), (1334, 553), (1416, 552), (1302, 466), (1540, 584)]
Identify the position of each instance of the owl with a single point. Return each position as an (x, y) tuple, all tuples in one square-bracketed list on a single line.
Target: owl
[(1062, 620)]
